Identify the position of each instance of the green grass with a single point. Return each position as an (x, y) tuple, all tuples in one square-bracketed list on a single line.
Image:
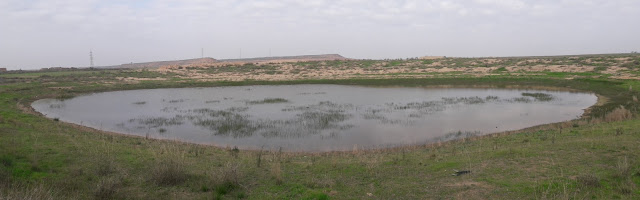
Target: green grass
[(578, 159)]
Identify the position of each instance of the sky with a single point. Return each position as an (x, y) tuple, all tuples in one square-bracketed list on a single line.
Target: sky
[(60, 33)]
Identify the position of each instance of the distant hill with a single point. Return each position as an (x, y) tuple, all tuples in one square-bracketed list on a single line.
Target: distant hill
[(158, 64), (286, 59), (209, 61)]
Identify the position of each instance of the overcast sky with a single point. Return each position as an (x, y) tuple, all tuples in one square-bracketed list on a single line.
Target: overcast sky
[(48, 33)]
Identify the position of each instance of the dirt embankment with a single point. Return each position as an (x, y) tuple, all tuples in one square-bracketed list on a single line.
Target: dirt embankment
[(158, 64), (210, 61), (285, 59)]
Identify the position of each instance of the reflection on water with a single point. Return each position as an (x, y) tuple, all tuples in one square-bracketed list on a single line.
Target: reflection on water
[(316, 117)]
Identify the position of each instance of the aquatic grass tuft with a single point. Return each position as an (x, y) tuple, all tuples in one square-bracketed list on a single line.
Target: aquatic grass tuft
[(176, 101), (306, 123), (159, 121), (323, 105), (228, 123), (322, 120), (237, 109), (465, 100), (539, 96), (56, 106), (382, 119), (520, 100), (492, 98), (457, 135), (268, 101)]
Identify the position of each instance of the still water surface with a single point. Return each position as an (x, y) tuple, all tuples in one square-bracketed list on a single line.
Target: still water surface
[(316, 117)]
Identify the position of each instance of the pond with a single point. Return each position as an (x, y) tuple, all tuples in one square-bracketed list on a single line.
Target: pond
[(316, 117)]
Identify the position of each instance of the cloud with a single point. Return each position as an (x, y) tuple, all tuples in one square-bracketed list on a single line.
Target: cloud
[(61, 32), (509, 4)]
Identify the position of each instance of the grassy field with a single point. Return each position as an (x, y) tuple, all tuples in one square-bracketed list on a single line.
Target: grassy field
[(596, 157)]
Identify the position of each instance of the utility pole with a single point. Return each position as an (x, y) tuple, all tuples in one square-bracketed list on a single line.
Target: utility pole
[(240, 52), (202, 53), (90, 58)]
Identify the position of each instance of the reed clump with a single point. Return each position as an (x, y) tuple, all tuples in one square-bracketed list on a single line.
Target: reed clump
[(618, 114), (268, 101)]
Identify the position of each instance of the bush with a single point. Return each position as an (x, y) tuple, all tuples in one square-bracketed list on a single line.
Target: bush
[(618, 114), (26, 192), (623, 169), (108, 188), (5, 176), (501, 69), (599, 68), (276, 172), (588, 181), (224, 188), (231, 173), (227, 181), (105, 167), (168, 173)]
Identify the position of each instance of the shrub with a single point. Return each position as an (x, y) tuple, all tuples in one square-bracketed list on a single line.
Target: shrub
[(108, 188), (26, 192), (227, 181), (224, 188), (588, 181), (501, 69), (599, 68), (618, 114), (105, 167), (168, 173), (4, 176), (276, 172), (623, 169), (230, 173)]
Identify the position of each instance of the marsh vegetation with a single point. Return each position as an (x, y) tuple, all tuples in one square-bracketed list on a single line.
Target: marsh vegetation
[(321, 117)]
